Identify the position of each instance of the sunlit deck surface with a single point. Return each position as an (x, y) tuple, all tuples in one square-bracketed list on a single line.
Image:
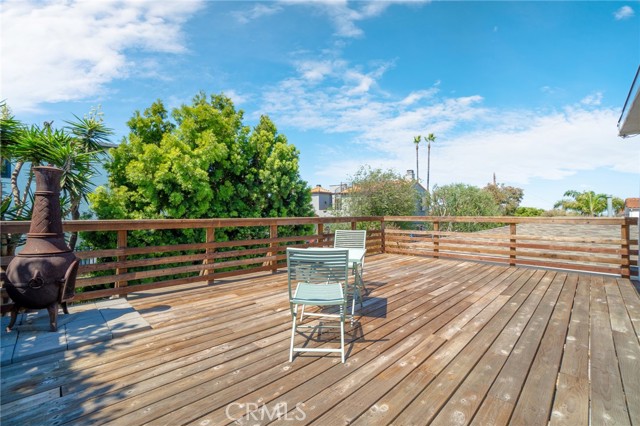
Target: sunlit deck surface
[(439, 341)]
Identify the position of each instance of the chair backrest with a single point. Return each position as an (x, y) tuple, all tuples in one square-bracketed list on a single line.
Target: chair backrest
[(344, 238), (317, 266)]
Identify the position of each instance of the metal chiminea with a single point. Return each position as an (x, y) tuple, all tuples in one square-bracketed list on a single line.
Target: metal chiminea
[(43, 274)]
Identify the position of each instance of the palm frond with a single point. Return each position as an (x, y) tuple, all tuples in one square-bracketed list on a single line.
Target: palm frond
[(90, 132)]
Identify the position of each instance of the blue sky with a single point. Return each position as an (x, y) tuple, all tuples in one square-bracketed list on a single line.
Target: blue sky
[(530, 91)]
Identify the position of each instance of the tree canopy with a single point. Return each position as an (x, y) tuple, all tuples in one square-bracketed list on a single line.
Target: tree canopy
[(588, 203), (199, 161), (459, 199), (202, 162), (377, 192), (529, 212), (506, 197)]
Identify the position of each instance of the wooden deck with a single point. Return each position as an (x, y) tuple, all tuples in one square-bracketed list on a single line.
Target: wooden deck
[(439, 342)]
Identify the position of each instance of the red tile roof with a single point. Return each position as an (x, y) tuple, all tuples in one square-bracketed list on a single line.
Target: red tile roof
[(632, 203), (320, 190)]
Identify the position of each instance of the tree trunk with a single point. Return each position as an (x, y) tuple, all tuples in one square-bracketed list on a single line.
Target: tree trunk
[(75, 215), (417, 164), (15, 191)]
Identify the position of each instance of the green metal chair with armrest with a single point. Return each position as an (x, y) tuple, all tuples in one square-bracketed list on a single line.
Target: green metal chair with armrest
[(317, 278)]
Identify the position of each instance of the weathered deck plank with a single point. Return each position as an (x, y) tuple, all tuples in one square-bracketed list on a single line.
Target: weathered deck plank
[(441, 342), (536, 399), (571, 404), (608, 403)]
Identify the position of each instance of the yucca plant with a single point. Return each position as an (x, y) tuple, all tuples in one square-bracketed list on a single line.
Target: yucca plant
[(76, 148)]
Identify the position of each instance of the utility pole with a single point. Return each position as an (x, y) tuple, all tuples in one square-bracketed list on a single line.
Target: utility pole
[(416, 140), (429, 139)]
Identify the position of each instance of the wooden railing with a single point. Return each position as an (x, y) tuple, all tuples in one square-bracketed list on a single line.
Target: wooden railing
[(208, 260), (601, 245)]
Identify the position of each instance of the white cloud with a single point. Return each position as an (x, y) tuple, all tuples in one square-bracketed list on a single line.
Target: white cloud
[(625, 12), (473, 141), (68, 50), (345, 14), (256, 12), (550, 146), (593, 99), (418, 95), (316, 70), (237, 98)]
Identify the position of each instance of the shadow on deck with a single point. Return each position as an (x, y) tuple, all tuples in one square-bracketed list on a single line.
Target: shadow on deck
[(441, 342)]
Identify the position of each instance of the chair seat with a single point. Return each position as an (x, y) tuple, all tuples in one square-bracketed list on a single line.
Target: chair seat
[(319, 295)]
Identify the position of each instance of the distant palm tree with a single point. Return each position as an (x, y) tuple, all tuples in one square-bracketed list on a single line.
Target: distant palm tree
[(416, 140), (429, 139), (586, 203)]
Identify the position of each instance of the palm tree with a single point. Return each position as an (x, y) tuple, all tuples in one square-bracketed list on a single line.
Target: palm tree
[(76, 149), (416, 140), (586, 203), (429, 139)]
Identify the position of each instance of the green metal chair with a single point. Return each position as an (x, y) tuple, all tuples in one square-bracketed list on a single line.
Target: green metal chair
[(317, 278), (353, 239)]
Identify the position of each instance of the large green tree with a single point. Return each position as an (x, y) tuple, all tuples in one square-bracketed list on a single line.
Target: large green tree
[(200, 161), (506, 197), (587, 203), (377, 192), (459, 199)]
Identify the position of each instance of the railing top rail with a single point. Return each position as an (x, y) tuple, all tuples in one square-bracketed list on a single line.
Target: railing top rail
[(132, 224), (141, 224), (516, 219)]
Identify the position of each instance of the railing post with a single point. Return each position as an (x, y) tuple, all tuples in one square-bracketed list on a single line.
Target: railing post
[(122, 244), (209, 251), (320, 234), (436, 239), (512, 244), (354, 226), (382, 236), (273, 234), (625, 258)]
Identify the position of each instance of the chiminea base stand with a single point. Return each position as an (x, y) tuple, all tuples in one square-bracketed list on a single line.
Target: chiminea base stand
[(53, 315)]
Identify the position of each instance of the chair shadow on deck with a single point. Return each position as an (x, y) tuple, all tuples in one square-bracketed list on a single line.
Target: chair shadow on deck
[(373, 307), (354, 335)]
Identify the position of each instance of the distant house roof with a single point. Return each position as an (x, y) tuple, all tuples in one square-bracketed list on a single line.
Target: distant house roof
[(350, 190), (419, 187), (629, 122), (320, 190), (632, 203)]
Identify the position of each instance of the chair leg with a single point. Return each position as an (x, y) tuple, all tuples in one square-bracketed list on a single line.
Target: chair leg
[(353, 303), (342, 334), (301, 313), (293, 335), (360, 281)]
